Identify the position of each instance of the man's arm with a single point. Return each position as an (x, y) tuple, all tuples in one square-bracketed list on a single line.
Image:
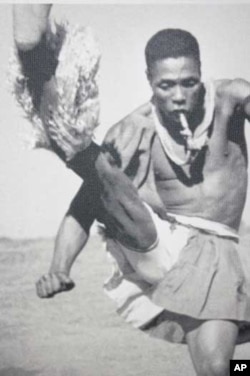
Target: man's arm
[(238, 92), (38, 60), (70, 240)]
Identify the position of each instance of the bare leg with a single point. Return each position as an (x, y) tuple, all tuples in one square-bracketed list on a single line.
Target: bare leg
[(124, 213), (211, 347)]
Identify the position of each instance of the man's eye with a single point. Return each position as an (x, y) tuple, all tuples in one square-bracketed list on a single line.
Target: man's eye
[(166, 85), (189, 83)]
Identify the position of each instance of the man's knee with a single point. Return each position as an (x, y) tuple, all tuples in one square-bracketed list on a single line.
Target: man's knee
[(214, 364), (140, 237), (212, 346), (220, 366)]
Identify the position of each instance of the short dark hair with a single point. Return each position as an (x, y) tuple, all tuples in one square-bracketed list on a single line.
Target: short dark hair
[(171, 43)]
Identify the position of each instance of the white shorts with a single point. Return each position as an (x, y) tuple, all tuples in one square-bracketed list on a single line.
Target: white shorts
[(134, 273)]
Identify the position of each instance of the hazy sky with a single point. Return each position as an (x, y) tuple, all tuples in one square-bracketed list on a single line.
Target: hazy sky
[(35, 187)]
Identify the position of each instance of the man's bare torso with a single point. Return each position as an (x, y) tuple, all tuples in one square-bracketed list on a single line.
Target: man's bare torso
[(214, 185)]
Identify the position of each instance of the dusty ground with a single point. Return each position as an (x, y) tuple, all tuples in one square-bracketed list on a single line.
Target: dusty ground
[(76, 333)]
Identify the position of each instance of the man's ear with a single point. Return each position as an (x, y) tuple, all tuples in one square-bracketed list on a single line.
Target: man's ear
[(148, 76)]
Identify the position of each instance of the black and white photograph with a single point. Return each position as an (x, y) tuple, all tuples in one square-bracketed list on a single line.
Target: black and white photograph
[(124, 195)]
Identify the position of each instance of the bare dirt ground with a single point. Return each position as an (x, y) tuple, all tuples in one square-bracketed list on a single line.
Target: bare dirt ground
[(76, 333)]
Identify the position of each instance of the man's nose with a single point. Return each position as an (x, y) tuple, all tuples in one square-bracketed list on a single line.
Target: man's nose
[(178, 95)]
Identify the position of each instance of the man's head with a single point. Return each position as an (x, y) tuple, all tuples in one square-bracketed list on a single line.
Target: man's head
[(174, 72)]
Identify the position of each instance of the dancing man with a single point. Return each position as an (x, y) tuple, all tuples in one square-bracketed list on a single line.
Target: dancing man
[(169, 184)]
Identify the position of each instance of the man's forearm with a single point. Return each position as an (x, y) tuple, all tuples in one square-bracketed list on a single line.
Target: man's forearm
[(29, 24), (70, 240)]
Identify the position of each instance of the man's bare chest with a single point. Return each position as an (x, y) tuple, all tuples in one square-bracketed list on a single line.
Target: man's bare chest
[(224, 151)]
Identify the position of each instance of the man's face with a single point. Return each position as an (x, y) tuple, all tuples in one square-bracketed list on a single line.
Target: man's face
[(176, 86)]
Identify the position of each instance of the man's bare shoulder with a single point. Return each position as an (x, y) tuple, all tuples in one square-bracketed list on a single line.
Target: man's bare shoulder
[(234, 90), (133, 133), (140, 117), (143, 112)]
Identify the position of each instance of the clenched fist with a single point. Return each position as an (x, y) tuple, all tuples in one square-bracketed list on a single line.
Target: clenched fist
[(53, 283)]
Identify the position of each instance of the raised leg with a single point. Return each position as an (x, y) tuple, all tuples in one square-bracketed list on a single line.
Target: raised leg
[(123, 212)]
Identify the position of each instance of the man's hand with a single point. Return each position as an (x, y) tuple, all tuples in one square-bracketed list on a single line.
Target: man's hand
[(30, 22), (53, 283)]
